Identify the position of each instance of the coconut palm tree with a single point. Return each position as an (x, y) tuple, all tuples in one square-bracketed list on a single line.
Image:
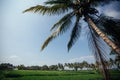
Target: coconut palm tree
[(85, 64), (61, 66), (81, 66), (79, 10), (76, 66), (93, 66)]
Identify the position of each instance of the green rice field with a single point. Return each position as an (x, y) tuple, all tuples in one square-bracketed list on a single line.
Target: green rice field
[(54, 75)]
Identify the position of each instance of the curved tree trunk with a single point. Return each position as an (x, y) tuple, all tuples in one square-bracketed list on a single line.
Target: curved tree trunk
[(103, 36), (102, 67), (106, 39)]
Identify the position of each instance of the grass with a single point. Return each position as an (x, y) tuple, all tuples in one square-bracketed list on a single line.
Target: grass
[(52, 75)]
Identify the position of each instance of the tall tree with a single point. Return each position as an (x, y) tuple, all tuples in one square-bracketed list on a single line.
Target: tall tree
[(85, 64), (53, 67), (21, 67), (44, 67), (76, 66), (61, 66), (93, 66), (6, 66), (81, 10)]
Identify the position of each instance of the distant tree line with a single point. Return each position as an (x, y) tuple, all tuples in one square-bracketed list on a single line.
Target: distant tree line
[(6, 66), (66, 66)]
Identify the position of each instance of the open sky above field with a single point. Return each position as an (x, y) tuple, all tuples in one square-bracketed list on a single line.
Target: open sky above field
[(21, 36)]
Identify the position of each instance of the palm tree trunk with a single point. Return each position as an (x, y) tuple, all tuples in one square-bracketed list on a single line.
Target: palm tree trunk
[(103, 36), (102, 67), (101, 64)]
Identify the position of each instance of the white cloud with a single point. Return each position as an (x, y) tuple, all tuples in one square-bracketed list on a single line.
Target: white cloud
[(13, 56), (112, 10), (83, 58), (112, 13), (13, 59)]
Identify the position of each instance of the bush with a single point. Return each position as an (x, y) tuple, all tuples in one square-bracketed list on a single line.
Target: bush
[(12, 75), (2, 76)]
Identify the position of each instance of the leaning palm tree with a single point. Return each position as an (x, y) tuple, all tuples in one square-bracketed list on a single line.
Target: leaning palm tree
[(80, 10)]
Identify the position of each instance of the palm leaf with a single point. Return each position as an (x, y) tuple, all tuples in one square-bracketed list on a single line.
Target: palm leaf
[(61, 29), (62, 20), (75, 33), (99, 50), (49, 39), (111, 27), (55, 9), (58, 2)]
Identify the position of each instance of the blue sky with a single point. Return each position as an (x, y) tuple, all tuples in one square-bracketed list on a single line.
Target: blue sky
[(23, 34)]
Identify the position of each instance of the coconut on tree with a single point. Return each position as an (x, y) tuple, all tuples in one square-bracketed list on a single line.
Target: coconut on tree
[(81, 10)]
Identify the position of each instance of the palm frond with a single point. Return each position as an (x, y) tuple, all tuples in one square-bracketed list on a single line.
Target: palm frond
[(62, 20), (64, 27), (111, 27), (58, 2), (55, 9), (49, 39), (60, 30), (75, 33), (99, 50)]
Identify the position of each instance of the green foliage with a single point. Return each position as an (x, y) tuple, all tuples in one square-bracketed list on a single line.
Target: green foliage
[(21, 67), (50, 75), (60, 66), (53, 67), (45, 67), (53, 75), (6, 66), (2, 75)]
